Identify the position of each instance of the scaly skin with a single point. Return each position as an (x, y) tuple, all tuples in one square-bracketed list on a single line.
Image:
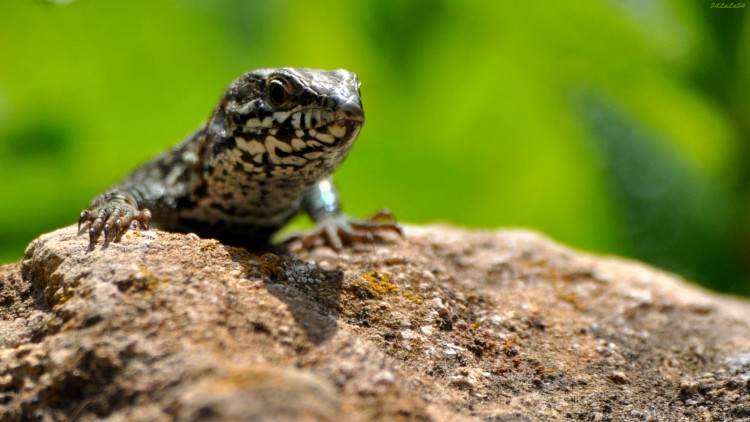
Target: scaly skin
[(266, 153)]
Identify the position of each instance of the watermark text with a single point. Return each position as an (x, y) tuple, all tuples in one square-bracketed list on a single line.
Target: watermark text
[(728, 5)]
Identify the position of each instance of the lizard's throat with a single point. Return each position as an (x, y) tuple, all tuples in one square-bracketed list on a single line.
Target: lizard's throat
[(294, 156), (289, 147), (266, 175)]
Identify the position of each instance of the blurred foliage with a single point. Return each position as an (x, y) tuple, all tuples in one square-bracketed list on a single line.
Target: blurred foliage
[(616, 126)]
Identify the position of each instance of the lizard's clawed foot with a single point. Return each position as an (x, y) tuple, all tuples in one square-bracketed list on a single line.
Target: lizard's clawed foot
[(112, 219), (338, 230)]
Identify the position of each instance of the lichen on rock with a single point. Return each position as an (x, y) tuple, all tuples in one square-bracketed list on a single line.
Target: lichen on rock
[(444, 324)]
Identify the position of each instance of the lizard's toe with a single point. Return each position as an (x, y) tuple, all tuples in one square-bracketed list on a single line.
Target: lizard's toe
[(112, 219), (383, 220), (143, 217), (84, 217), (338, 230), (112, 227), (96, 217)]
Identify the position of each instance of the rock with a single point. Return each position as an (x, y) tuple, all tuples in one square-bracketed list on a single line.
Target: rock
[(443, 325)]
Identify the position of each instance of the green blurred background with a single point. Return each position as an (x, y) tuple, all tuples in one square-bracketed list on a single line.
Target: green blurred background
[(619, 126)]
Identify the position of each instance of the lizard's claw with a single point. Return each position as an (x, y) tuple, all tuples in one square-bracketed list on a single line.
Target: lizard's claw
[(340, 229), (111, 218)]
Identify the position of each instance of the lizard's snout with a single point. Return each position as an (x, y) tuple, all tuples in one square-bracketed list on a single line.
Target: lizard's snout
[(350, 109)]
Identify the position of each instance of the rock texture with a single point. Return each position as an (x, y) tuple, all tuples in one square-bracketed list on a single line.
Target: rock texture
[(443, 325)]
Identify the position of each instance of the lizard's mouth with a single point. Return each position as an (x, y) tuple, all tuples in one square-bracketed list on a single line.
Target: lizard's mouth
[(337, 130), (348, 120), (350, 110), (347, 112)]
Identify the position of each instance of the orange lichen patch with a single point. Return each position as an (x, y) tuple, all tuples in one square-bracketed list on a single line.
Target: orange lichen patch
[(272, 266), (573, 299), (152, 283), (413, 297), (377, 284), (543, 370), (145, 282), (62, 299), (511, 343)]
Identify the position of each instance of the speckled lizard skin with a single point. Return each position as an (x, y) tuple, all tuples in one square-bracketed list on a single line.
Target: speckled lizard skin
[(267, 152)]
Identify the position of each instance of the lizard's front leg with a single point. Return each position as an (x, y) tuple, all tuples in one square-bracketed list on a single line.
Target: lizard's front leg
[(323, 204), (111, 213)]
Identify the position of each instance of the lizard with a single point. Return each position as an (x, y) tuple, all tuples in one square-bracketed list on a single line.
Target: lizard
[(266, 153)]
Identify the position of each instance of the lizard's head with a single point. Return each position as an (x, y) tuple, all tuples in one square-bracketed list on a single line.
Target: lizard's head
[(288, 117)]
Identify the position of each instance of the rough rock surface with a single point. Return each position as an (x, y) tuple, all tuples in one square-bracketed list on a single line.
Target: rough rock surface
[(443, 325)]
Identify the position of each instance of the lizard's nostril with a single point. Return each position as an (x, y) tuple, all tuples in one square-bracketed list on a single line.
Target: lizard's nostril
[(351, 110)]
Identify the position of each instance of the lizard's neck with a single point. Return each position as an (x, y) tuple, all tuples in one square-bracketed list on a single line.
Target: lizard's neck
[(240, 177)]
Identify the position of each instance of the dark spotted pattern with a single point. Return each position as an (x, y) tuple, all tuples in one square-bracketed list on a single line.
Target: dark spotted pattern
[(267, 151)]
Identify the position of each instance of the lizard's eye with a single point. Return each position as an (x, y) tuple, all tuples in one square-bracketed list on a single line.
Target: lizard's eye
[(277, 93)]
